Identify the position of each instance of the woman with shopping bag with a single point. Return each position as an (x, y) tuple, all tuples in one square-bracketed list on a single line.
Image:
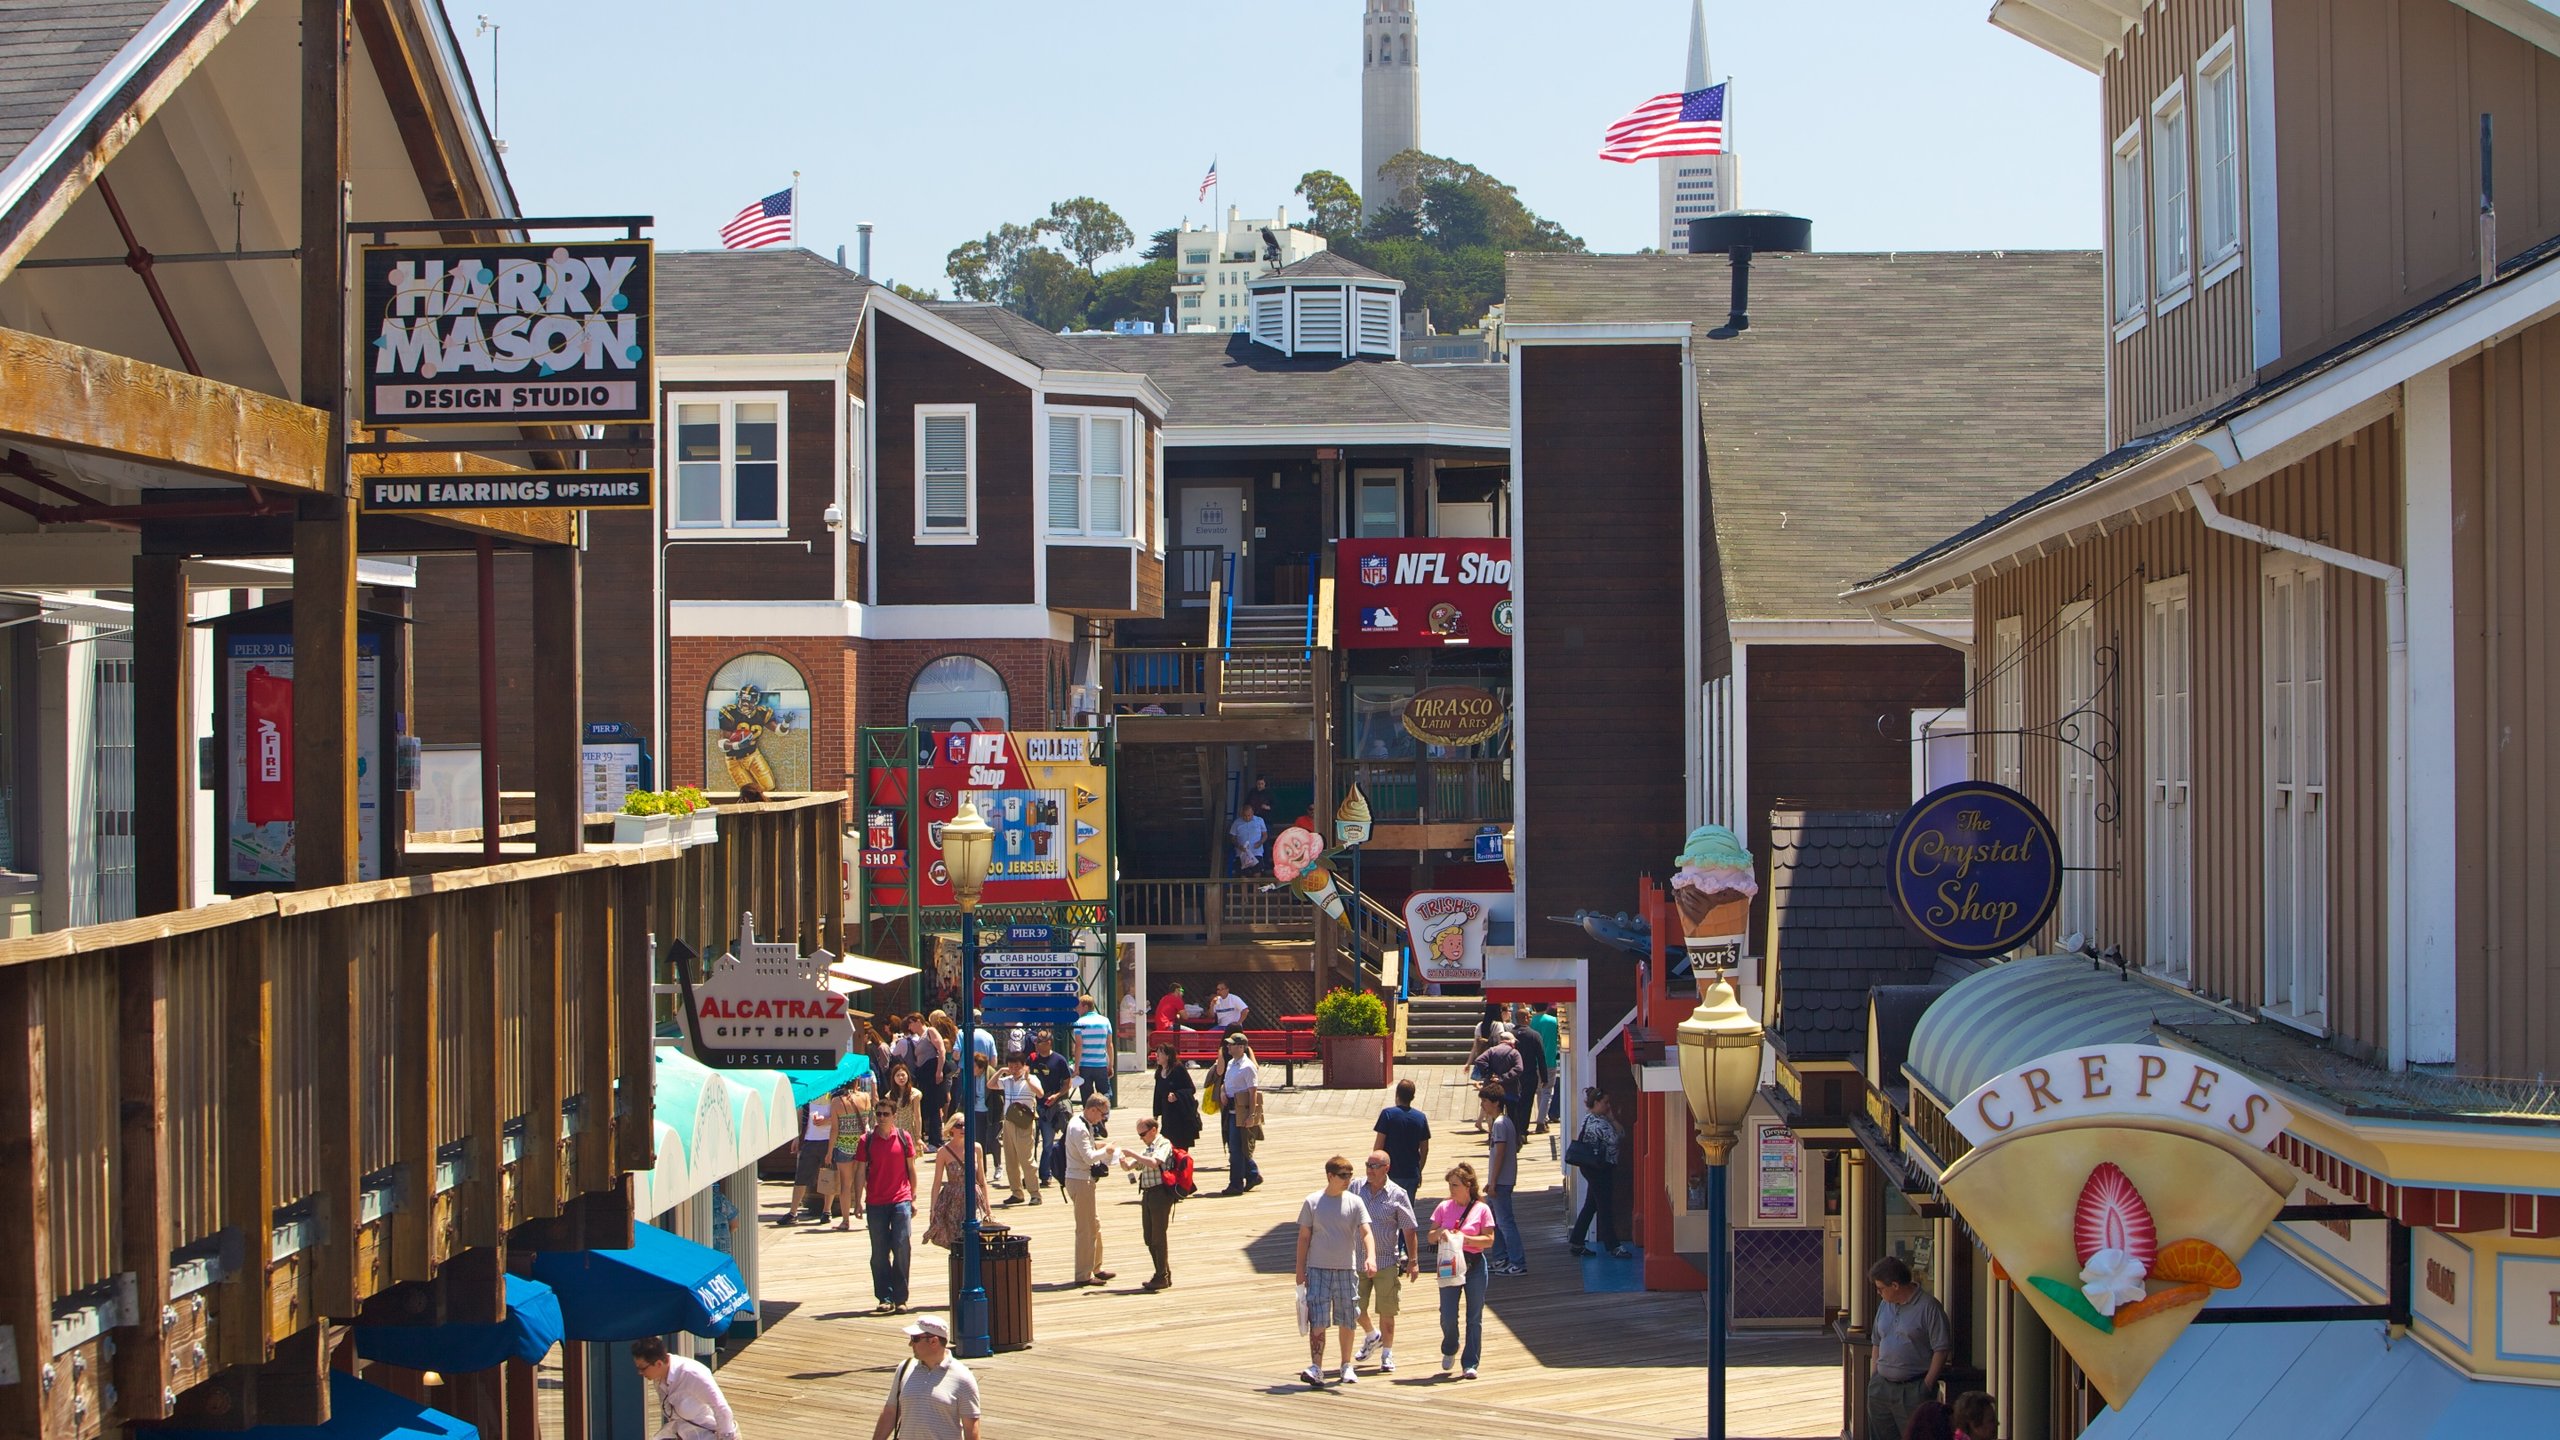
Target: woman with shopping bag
[(1461, 1231)]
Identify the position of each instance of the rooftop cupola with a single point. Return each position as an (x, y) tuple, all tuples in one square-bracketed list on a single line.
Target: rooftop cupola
[(1326, 305)]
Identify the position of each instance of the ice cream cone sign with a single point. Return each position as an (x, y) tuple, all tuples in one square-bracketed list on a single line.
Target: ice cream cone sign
[(1351, 819), (1712, 885), (2116, 1184), (1293, 851)]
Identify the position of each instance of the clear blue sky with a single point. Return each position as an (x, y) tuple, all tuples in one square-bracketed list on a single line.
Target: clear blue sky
[(1894, 124)]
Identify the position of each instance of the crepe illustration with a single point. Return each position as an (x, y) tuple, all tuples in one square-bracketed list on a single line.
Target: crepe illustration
[(2119, 1230), (1351, 819), (1713, 886)]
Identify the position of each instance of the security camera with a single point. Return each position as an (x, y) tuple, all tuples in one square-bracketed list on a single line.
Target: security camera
[(835, 517)]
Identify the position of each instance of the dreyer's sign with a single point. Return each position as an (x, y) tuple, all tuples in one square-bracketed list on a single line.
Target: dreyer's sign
[(1396, 594), (519, 334)]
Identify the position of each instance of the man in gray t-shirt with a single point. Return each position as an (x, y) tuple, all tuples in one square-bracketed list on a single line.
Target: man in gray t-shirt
[(1913, 1342), (1335, 1248), (1510, 1254)]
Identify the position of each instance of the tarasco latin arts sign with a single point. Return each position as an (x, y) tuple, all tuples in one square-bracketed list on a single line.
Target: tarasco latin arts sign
[(2117, 1188), (549, 333), (1976, 868), (1453, 715)]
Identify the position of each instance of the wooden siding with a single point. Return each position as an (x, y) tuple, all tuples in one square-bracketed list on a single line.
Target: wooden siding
[(997, 569), (2506, 458), (2347, 495), (2197, 354), (2377, 156), (758, 571), (1091, 580), (1601, 703)]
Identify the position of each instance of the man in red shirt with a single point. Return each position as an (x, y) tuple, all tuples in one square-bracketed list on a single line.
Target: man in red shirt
[(888, 1204), (1168, 1010)]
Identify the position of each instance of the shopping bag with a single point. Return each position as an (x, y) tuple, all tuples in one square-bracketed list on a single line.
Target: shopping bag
[(1302, 1309), (1453, 1260)]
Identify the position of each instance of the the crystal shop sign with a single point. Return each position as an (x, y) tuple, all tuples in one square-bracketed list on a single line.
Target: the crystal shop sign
[(1976, 868)]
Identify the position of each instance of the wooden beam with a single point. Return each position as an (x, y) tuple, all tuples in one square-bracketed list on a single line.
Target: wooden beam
[(559, 723), (538, 1156), (593, 994), (326, 838), (293, 1388), (635, 1144), (482, 1191), (142, 1183), (427, 130), (538, 527), (163, 737), (248, 1147), (337, 1112), (26, 1249), (103, 404)]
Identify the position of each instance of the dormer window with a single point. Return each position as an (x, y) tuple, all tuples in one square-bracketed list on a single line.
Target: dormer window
[(1326, 305)]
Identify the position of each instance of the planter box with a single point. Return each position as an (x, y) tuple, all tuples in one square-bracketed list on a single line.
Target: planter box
[(644, 829), (1357, 1062), (699, 828)]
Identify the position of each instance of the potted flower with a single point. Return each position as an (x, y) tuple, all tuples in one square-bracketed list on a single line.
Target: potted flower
[(1351, 1036), (665, 817)]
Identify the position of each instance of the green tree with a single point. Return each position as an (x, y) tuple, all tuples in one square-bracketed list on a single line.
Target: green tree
[(910, 292), (1049, 291), (1160, 245), (1087, 229), (1333, 207), (971, 271), (990, 268), (1445, 235), (1131, 292)]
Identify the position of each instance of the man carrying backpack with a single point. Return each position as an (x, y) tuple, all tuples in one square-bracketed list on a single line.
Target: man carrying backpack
[(1164, 1178)]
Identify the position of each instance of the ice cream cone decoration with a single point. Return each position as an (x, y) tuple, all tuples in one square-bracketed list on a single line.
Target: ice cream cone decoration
[(1351, 819), (1713, 885), (1318, 885)]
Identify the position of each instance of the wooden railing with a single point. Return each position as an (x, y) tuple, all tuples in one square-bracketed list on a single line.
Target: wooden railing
[(1434, 792), (219, 1125), (1186, 680), (1214, 911)]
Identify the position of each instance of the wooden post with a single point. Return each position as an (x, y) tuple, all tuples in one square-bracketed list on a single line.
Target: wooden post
[(482, 1193), (337, 1112), (1320, 733), (538, 1156), (248, 1148), (492, 815), (599, 1025), (635, 1144), (26, 1250), (324, 534), (400, 652), (417, 1085), (163, 739), (559, 722), (142, 1188)]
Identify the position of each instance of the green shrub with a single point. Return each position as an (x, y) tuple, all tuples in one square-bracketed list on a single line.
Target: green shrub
[(683, 800), (1351, 1012)]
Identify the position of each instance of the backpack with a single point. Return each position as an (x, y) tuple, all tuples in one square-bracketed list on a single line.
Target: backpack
[(1178, 1176)]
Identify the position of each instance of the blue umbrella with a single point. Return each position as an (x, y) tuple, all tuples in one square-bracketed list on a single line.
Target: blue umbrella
[(357, 1411), (530, 1329), (662, 1284)]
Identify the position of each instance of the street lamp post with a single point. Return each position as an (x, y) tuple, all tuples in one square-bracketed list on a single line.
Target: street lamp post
[(1720, 1074), (968, 842)]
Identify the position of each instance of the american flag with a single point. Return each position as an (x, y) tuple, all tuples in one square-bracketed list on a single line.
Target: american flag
[(1208, 180), (1681, 123), (766, 222)]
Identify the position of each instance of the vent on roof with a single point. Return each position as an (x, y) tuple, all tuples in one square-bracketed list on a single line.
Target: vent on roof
[(1738, 234), (1328, 315)]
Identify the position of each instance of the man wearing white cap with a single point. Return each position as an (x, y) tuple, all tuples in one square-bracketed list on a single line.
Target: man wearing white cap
[(932, 1397)]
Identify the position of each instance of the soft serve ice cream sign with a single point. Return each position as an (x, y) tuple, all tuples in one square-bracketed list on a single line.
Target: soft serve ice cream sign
[(2116, 1186)]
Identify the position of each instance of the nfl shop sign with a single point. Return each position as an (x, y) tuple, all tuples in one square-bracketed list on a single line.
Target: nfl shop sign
[(880, 841), (1399, 594), (553, 333), (1046, 794)]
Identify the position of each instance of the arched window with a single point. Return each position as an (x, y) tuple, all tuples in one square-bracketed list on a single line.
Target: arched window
[(959, 692), (755, 721), (1406, 41)]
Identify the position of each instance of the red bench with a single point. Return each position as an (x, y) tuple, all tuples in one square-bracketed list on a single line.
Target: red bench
[(1200, 1047)]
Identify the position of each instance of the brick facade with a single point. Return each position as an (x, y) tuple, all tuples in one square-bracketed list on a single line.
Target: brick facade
[(830, 666), (1028, 668)]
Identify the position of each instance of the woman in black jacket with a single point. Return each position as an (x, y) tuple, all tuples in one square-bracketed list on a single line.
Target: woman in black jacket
[(1177, 1099)]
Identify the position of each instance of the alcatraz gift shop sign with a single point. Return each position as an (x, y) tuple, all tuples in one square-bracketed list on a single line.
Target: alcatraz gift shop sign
[(552, 333), (1976, 868)]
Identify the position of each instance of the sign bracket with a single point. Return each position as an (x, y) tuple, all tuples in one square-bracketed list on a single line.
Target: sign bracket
[(382, 230), (2397, 1310)]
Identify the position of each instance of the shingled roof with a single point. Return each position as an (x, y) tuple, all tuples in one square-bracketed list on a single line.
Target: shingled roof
[(48, 52), (1876, 400), (1227, 380), (1325, 265), (1839, 937), (756, 302)]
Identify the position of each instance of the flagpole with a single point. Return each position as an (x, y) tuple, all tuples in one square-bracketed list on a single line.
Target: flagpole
[(795, 208)]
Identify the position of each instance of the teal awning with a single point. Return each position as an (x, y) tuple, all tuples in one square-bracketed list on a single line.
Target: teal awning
[(1994, 1019), (2342, 1380), (808, 1085)]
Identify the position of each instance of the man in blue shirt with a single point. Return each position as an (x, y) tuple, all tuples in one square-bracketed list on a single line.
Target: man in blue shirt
[(1093, 1046), (1404, 1137), (1055, 1076)]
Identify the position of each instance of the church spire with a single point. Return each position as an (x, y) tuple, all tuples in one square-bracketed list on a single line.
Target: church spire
[(1700, 77)]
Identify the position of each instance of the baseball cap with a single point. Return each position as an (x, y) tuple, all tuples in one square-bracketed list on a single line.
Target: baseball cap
[(924, 1325)]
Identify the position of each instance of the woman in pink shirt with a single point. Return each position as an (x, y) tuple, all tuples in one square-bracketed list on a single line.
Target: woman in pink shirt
[(1466, 1217)]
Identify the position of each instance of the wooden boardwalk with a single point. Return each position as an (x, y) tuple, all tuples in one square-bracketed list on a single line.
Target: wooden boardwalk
[(1216, 1354)]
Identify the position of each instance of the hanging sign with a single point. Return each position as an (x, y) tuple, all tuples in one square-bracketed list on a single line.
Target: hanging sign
[(1453, 715), (1047, 793), (2119, 1186), (1399, 594), (767, 1007), (527, 490), (550, 333), (1977, 868), (1447, 929)]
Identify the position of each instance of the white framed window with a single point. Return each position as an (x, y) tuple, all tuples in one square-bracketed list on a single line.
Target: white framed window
[(2075, 677), (726, 458), (2217, 182), (2128, 266), (2008, 698), (1088, 472), (2168, 869), (1377, 504), (1939, 741), (947, 474), (2293, 656), (857, 468), (2172, 264)]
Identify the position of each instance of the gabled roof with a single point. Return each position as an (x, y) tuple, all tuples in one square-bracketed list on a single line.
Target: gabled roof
[(1873, 398), (1839, 937), (1325, 265), (1011, 333), (1224, 382), (756, 302), (49, 49)]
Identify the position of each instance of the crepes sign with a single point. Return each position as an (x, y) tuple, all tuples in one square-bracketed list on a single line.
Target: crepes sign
[(2117, 1187), (552, 333)]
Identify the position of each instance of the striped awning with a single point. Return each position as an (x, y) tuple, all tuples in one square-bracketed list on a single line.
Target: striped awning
[(1996, 1018)]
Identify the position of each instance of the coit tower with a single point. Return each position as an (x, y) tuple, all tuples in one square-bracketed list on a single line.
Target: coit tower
[(1390, 96)]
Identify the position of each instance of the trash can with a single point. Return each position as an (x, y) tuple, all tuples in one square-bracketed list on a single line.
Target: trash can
[(1004, 1268)]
